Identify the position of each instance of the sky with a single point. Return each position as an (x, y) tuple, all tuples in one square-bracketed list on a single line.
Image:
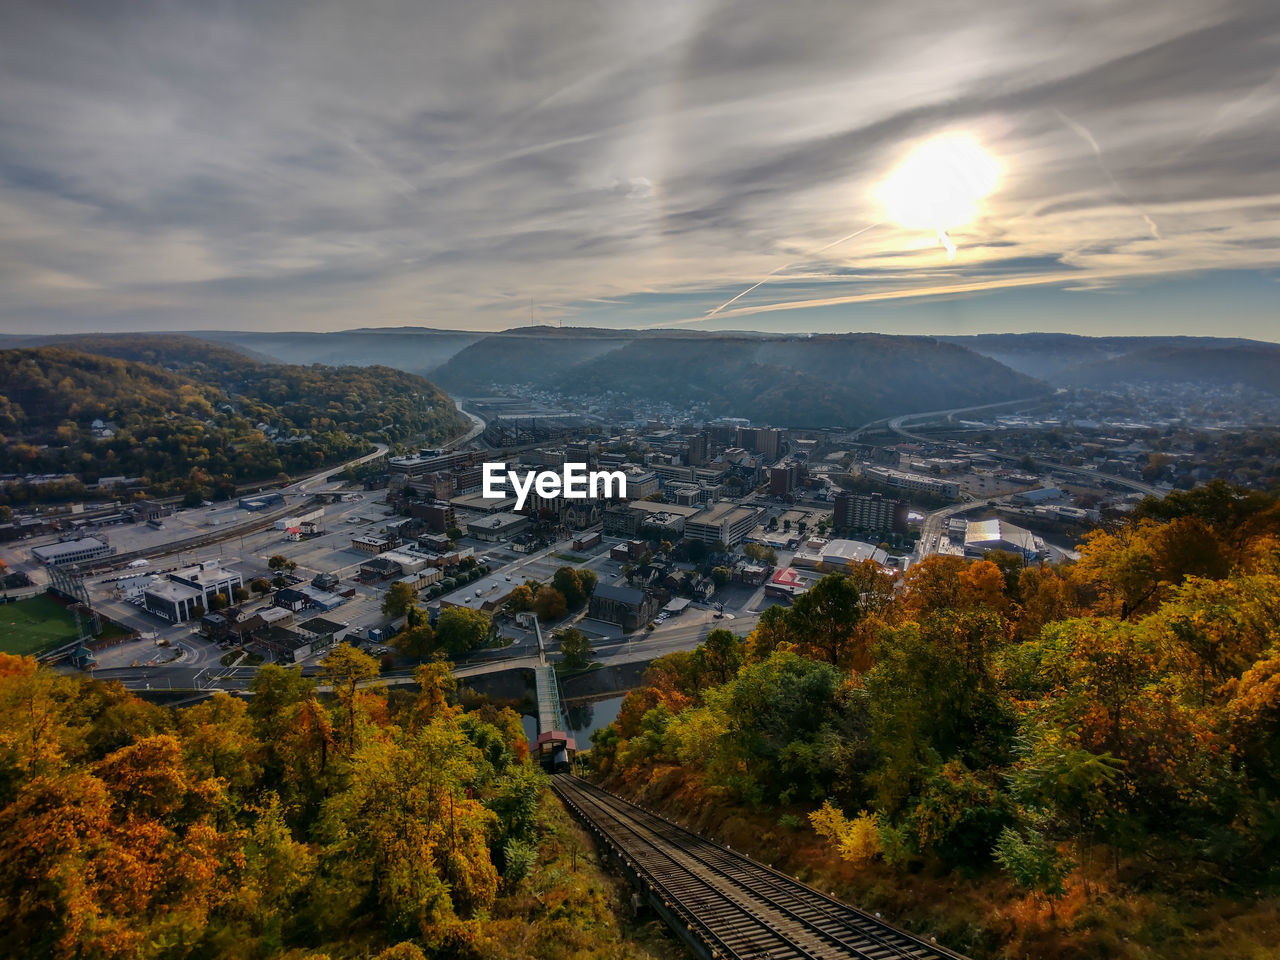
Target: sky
[(320, 165)]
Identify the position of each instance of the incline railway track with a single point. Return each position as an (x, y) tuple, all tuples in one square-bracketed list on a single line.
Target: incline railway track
[(726, 905)]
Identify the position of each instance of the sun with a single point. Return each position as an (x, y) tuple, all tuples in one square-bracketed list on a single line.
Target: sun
[(940, 184)]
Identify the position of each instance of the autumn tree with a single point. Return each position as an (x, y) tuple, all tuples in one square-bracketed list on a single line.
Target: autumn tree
[(520, 599), (550, 604), (345, 668), (398, 598)]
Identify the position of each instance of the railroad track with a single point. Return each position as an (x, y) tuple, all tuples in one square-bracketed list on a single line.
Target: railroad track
[(726, 905)]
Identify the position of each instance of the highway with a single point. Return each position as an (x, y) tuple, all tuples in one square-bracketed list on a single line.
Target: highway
[(896, 425)]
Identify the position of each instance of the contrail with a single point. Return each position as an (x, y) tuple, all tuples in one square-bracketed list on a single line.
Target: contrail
[(768, 276), (1088, 138)]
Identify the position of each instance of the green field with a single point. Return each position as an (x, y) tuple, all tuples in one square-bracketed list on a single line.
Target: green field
[(30, 627)]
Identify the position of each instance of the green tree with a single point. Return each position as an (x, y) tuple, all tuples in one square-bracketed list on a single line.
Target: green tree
[(417, 641), (1033, 862), (398, 599), (575, 647), (459, 630), (721, 575), (760, 553), (719, 657), (576, 586)]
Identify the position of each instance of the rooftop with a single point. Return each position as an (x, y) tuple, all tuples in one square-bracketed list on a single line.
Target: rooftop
[(607, 591), (172, 590), (68, 546), (319, 625)]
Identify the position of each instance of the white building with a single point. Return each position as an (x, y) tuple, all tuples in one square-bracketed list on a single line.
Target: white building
[(186, 592), (725, 523), (72, 551), (983, 536), (837, 553)]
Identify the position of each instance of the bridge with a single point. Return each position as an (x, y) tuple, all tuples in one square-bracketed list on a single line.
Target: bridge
[(725, 905), (554, 747)]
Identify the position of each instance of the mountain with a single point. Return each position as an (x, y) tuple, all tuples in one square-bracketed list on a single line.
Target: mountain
[(417, 350), (1107, 362), (208, 409), (784, 379), (826, 380)]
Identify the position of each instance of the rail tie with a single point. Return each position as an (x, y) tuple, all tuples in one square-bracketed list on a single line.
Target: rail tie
[(726, 905)]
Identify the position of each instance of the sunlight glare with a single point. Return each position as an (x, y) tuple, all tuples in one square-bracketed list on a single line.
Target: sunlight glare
[(940, 184)]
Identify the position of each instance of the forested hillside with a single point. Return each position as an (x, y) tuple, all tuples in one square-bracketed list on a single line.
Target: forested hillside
[(1107, 362), (829, 380), (1027, 761), (209, 410), (361, 825)]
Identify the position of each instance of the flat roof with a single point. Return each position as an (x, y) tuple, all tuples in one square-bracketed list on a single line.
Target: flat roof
[(498, 521), (172, 590), (494, 588), (321, 625), (998, 531), (202, 573), (721, 511), (648, 506), (68, 546)]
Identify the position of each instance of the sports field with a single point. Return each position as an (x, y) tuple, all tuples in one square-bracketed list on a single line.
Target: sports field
[(32, 626)]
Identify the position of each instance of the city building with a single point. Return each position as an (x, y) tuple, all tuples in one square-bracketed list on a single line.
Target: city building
[(784, 479), (498, 526), (725, 523), (871, 513), (641, 483), (438, 515), (913, 481), (761, 440), (371, 545), (189, 592), (72, 551), (325, 581), (786, 583), (379, 568), (983, 536), (625, 606), (323, 632), (837, 554)]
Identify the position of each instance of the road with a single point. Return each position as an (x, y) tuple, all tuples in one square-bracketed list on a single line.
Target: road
[(639, 648), (477, 425), (896, 425)]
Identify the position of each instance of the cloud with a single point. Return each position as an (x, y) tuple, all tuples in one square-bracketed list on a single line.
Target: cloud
[(325, 165)]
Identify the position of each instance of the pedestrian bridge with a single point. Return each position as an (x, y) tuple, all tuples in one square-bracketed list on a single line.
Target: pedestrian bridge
[(554, 747)]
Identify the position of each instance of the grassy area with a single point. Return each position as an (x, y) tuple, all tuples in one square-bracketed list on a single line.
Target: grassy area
[(30, 627), (570, 557)]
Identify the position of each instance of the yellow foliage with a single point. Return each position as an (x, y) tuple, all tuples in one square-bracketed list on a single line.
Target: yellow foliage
[(861, 844), (857, 840)]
